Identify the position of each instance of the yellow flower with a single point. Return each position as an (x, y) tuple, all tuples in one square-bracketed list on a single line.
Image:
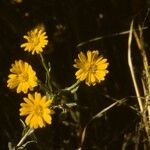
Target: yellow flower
[(37, 109), (22, 77), (92, 67), (36, 40)]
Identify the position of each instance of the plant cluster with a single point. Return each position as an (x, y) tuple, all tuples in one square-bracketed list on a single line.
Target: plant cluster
[(38, 107)]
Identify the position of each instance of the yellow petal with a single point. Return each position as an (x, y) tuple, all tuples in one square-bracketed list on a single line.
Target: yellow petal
[(47, 118)]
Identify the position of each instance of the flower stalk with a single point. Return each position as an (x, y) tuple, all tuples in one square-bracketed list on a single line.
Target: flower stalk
[(29, 132), (48, 79), (73, 87)]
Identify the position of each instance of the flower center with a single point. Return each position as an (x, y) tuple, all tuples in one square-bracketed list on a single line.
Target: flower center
[(24, 77), (91, 68), (35, 40), (38, 110)]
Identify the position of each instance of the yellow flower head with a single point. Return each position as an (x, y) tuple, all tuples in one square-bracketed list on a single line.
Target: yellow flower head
[(37, 109), (22, 77), (36, 40), (92, 67)]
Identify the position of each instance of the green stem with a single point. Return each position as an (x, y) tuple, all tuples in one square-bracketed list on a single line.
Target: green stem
[(25, 136), (47, 72), (73, 86)]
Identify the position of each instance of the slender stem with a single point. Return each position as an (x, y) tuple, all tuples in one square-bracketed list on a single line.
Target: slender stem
[(25, 136), (47, 72), (73, 86), (43, 86)]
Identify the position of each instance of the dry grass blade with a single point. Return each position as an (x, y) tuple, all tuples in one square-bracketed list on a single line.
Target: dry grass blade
[(145, 81), (132, 70), (98, 115), (106, 36), (141, 103)]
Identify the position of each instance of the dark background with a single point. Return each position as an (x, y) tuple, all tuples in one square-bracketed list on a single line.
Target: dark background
[(68, 23)]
